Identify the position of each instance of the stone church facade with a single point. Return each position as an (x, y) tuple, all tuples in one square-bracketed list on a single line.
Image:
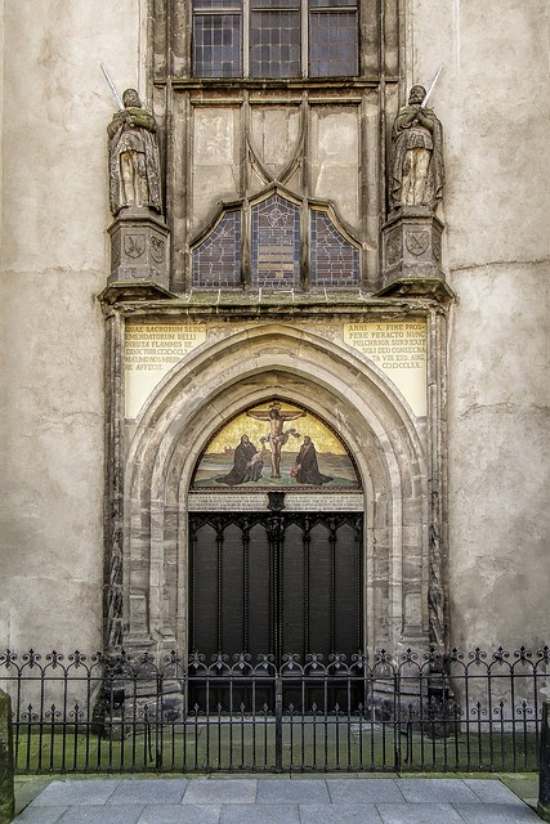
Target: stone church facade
[(277, 342)]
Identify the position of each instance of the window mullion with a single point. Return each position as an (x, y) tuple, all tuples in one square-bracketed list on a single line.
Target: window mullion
[(305, 38), (246, 37)]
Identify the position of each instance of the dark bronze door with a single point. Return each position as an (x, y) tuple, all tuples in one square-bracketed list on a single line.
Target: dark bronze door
[(276, 583)]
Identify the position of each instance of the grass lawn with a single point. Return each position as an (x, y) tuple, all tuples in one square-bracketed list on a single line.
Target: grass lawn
[(238, 746)]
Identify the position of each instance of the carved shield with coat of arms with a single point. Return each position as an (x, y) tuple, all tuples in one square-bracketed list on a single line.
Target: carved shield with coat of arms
[(134, 246), (418, 242), (157, 250)]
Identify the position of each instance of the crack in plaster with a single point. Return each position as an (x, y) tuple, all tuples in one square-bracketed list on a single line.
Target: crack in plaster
[(514, 262), (506, 407), (54, 270)]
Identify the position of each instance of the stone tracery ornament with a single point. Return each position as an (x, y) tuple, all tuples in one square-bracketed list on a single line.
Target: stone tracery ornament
[(134, 157), (418, 173)]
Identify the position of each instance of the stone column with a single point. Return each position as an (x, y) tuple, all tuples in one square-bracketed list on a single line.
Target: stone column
[(7, 766), (543, 808)]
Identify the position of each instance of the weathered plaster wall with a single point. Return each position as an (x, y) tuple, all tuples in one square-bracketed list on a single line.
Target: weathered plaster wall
[(54, 258), (494, 100), (1, 102)]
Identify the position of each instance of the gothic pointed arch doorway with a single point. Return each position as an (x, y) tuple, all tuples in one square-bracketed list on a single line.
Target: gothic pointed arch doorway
[(276, 548)]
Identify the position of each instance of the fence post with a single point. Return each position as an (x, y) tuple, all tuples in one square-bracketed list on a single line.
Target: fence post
[(278, 723), (7, 767), (544, 760)]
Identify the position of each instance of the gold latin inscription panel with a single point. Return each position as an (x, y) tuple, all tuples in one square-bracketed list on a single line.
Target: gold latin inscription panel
[(399, 349), (150, 351)]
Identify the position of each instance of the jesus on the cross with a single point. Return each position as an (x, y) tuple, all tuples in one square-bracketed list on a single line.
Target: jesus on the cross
[(278, 436)]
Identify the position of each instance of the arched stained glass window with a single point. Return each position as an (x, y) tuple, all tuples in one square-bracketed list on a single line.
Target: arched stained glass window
[(217, 259), (334, 261), (276, 244), (276, 248)]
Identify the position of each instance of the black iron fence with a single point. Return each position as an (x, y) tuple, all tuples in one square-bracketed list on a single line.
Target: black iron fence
[(412, 711)]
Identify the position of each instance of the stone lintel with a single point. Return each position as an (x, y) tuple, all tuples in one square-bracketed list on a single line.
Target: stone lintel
[(226, 306)]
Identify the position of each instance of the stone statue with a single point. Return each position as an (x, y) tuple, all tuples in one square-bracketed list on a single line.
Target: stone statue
[(134, 158), (418, 174)]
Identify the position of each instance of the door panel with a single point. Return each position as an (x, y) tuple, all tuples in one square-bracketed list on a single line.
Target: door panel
[(320, 590), (204, 590), (232, 588), (348, 589), (259, 591), (276, 584), (292, 589)]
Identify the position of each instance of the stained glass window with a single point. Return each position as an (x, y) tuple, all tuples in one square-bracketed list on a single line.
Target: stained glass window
[(333, 38), (217, 260), (275, 38), (275, 250), (276, 244), (334, 261), (217, 35)]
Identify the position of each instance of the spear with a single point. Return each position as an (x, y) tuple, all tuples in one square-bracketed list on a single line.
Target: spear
[(432, 87), (116, 97)]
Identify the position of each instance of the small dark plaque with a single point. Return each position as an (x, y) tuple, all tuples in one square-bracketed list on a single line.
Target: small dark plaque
[(276, 501)]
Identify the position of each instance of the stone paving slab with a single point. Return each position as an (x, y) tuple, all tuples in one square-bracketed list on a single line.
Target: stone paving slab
[(76, 792), (147, 791), (365, 790), (281, 791), (260, 814), (340, 814), (492, 792), (216, 791), (100, 815), (26, 790), (419, 814), (436, 790), (496, 814), (316, 800), (41, 815), (180, 814)]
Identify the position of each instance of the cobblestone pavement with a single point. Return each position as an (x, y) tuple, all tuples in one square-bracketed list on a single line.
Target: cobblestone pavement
[(277, 801)]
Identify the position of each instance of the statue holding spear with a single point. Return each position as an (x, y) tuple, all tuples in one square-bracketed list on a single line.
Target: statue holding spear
[(418, 173), (134, 158)]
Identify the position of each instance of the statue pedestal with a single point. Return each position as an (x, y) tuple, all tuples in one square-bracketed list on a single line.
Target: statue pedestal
[(411, 258), (139, 251)]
